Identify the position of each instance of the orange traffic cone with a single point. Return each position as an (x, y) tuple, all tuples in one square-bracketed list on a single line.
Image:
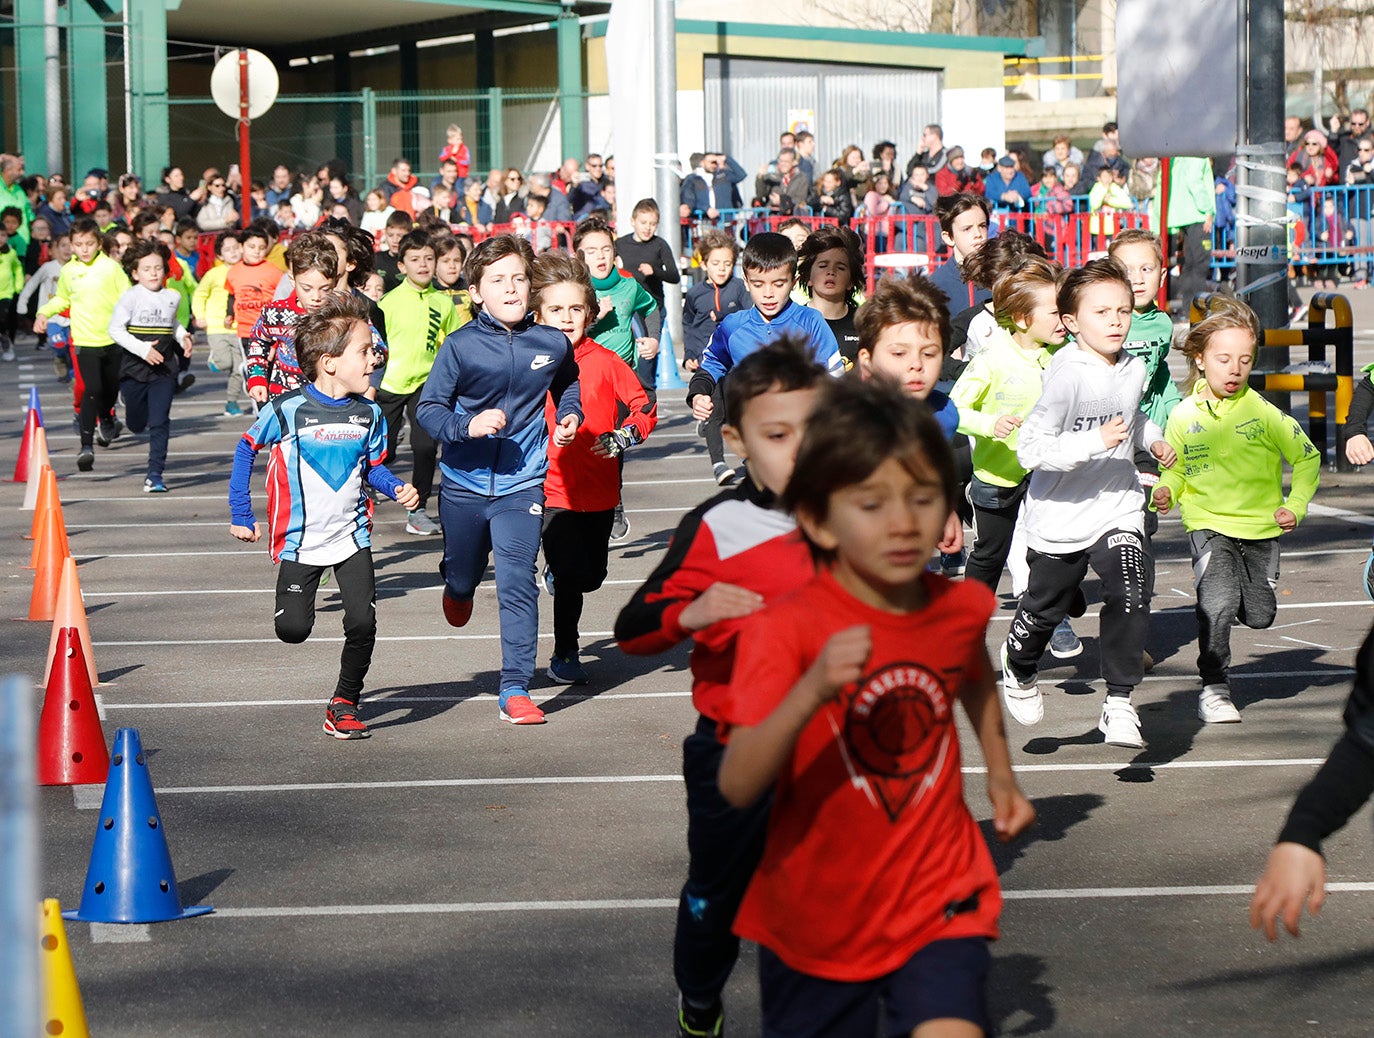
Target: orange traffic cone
[(47, 498), (71, 612), (37, 459), (21, 463), (51, 539), (47, 577)]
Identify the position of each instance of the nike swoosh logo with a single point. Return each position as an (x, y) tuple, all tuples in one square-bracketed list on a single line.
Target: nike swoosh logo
[(542, 361)]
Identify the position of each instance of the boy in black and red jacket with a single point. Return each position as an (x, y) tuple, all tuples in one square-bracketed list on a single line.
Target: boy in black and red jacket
[(728, 557)]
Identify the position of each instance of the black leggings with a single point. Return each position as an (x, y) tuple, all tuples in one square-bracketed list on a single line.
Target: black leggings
[(100, 386), (994, 520), (295, 615), (576, 548), (715, 443)]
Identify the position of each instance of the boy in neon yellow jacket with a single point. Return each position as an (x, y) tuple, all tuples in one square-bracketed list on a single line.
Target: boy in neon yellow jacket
[(1228, 483)]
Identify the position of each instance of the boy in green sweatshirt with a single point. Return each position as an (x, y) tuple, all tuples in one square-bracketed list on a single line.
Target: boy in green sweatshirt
[(418, 318), (621, 299), (90, 285), (1228, 483)]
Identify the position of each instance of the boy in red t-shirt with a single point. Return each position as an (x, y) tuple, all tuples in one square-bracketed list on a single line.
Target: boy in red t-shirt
[(876, 892), (582, 487), (728, 557), (252, 282)]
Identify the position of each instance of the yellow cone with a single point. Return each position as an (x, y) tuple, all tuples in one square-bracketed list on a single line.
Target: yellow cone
[(63, 1012)]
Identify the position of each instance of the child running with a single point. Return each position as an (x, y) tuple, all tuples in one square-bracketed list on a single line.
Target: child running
[(484, 402), (90, 286), (252, 282), (1083, 504), (273, 367), (418, 318), (876, 896), (830, 267), (582, 487), (728, 557), (1228, 483), (145, 324), (325, 440), (213, 310), (994, 395), (705, 306)]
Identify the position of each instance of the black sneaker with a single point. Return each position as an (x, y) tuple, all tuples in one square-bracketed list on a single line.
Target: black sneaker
[(85, 461), (103, 437), (185, 382), (620, 526), (342, 722), (700, 1023)]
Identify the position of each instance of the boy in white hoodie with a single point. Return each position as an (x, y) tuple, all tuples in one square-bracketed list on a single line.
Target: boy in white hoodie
[(1084, 503)]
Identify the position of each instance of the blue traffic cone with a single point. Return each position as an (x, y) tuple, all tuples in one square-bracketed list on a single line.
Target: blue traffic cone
[(34, 405), (130, 878), (669, 377)]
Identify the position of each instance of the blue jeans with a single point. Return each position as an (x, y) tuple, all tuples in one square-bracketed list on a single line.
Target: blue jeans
[(509, 526), (148, 405)]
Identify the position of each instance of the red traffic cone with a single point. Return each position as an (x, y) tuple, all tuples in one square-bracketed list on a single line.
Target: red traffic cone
[(47, 501), (21, 463), (71, 612), (71, 743), (38, 457)]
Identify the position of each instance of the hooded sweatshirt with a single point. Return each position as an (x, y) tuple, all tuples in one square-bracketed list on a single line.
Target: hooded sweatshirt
[(1079, 488)]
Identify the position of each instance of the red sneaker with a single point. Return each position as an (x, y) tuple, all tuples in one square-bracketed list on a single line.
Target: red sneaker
[(521, 710), (341, 720), (457, 611)]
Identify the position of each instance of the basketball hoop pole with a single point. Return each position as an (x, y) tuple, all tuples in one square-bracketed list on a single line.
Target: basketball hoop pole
[(246, 182)]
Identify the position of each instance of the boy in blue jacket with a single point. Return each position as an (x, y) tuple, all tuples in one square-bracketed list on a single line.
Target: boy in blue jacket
[(484, 404)]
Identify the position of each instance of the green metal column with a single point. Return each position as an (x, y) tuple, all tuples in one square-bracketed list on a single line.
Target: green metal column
[(370, 171), (151, 145), (89, 110), (28, 57), (496, 128), (410, 107), (486, 146), (571, 102)]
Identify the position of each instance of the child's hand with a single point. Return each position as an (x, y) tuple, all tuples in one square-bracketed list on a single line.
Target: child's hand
[(1295, 875), (187, 344), (647, 269), (1012, 813), (1165, 454), (40, 324), (1162, 499), (1005, 425), (718, 602), (702, 406), (692, 365), (647, 347), (564, 432), (408, 497), (487, 423), (244, 533), (953, 538), (842, 660), (258, 393), (604, 305), (1287, 520), (154, 357), (1114, 432), (1358, 450)]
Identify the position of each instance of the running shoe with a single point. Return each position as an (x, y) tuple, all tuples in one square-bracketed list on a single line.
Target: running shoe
[(700, 1023), (725, 475), (154, 485), (548, 580), (1120, 724), (7, 354), (953, 565), (1022, 699), (518, 708), (1064, 644), (620, 526), (231, 409), (420, 524), (566, 670), (1215, 707), (341, 720), (185, 382), (457, 611), (85, 461)]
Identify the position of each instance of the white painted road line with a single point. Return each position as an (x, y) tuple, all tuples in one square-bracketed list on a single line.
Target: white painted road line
[(88, 594), (120, 933), (668, 903), (1327, 512)]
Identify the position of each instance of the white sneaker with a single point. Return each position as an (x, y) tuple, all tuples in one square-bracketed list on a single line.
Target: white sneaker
[(7, 354), (1023, 701), (1120, 724), (1215, 707)]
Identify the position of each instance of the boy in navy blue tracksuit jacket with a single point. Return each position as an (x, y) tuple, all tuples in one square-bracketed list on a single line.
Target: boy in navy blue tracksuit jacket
[(484, 403)]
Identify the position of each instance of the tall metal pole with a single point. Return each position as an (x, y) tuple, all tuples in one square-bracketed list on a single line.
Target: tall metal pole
[(245, 175), (1264, 284), (666, 155), (52, 76), (19, 971)]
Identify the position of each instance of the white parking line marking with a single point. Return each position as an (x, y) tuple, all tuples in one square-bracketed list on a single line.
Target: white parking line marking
[(1299, 641), (121, 933)]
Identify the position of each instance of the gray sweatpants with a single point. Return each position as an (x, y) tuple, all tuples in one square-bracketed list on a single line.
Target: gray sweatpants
[(1234, 580)]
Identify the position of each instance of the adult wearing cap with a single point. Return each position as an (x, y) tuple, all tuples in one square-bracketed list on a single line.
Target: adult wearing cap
[(1008, 188), (958, 176)]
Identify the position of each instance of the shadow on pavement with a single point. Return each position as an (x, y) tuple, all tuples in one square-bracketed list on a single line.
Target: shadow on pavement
[(1020, 1001)]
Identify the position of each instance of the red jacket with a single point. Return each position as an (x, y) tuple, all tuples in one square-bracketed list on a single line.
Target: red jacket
[(578, 479)]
